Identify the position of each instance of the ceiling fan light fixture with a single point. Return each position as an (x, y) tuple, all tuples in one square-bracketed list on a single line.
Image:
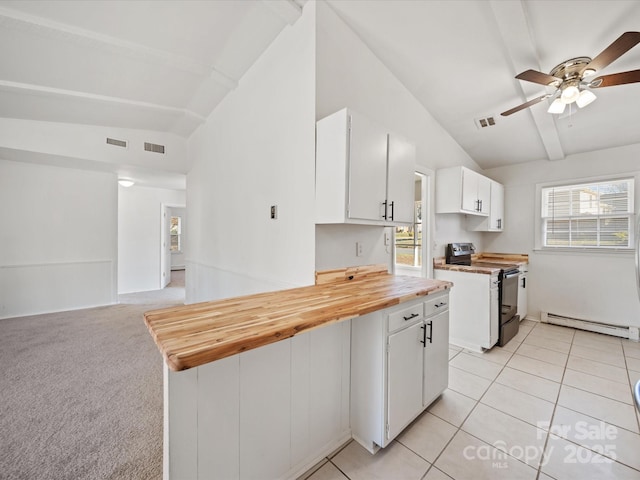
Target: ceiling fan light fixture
[(585, 98), (588, 72), (570, 94), (557, 107)]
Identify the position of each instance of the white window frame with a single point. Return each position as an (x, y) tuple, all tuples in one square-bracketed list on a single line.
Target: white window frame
[(539, 222)]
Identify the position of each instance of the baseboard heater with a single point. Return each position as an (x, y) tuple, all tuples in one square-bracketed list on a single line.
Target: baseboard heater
[(589, 325)]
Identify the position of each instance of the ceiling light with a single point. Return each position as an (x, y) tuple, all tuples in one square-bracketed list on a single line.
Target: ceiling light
[(124, 182), (570, 94), (585, 98), (556, 107)]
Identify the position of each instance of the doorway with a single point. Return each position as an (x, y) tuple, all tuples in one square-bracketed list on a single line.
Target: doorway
[(173, 223), (411, 253)]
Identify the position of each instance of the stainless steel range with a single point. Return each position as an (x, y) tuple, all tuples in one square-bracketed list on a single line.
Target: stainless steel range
[(460, 254)]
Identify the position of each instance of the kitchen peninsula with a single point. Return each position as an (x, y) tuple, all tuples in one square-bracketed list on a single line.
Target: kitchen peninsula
[(259, 386)]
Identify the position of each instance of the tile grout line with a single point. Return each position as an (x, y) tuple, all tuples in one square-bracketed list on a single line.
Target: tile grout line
[(459, 428), (543, 457), (549, 433)]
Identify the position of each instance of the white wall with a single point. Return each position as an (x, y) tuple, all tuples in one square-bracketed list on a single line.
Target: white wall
[(350, 75), (58, 238), (257, 149), (139, 236), (85, 146), (599, 287)]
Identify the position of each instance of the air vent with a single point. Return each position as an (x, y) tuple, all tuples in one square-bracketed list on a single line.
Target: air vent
[(117, 143), (485, 122), (152, 147)]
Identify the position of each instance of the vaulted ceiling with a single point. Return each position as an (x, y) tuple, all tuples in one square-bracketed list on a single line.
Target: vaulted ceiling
[(165, 65), (154, 65)]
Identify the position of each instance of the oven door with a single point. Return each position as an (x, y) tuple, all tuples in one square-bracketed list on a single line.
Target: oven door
[(509, 295)]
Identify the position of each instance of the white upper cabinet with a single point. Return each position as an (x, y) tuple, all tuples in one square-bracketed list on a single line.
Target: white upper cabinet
[(495, 221), (367, 164), (364, 173), (460, 190), (401, 179)]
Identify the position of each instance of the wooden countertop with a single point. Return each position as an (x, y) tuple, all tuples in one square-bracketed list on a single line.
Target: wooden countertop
[(193, 335), (497, 258)]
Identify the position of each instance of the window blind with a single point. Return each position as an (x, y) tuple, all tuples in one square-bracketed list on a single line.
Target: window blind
[(588, 215)]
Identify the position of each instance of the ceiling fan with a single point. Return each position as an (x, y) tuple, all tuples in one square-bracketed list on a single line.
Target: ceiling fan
[(571, 77)]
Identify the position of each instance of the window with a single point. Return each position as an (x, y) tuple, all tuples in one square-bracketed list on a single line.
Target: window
[(409, 240), (175, 230), (588, 215)]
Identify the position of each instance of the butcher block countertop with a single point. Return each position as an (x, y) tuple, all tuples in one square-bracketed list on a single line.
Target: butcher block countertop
[(193, 335), (496, 258)]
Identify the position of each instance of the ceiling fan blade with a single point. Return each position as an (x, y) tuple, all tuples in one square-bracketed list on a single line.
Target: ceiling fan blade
[(525, 105), (623, 44), (538, 77), (632, 76)]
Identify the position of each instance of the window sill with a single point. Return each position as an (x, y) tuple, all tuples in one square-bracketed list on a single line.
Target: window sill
[(585, 250)]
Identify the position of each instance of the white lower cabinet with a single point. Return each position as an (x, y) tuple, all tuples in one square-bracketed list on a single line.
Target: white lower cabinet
[(436, 358), (474, 321), (404, 373), (399, 365)]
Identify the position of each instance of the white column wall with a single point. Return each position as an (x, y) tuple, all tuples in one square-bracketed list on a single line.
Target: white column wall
[(257, 149), (58, 238)]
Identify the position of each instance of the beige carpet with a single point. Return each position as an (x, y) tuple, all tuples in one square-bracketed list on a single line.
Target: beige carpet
[(81, 392)]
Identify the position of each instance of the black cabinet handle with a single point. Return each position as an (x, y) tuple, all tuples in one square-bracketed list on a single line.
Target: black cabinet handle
[(392, 211), (441, 304), (524, 282), (413, 315), (424, 335), (385, 210), (430, 337)]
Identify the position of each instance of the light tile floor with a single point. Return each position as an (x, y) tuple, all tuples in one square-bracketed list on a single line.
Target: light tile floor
[(554, 403)]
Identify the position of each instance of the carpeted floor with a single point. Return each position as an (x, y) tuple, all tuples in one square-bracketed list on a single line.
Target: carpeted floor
[(81, 392)]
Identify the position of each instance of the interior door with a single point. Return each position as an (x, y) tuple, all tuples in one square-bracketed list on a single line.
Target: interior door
[(404, 378)]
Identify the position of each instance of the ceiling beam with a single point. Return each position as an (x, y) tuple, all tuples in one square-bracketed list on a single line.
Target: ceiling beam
[(513, 25), (288, 10), (23, 21), (59, 92)]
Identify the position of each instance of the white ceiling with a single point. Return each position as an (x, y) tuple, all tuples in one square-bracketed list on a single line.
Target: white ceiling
[(165, 65)]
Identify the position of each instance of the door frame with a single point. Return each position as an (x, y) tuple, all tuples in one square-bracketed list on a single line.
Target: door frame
[(165, 243)]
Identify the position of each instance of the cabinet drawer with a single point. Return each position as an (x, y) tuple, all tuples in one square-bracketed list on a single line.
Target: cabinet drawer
[(436, 305), (405, 317)]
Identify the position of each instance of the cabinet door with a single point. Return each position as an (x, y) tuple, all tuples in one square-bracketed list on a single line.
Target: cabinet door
[(404, 379), (436, 357), (496, 213), (367, 169), (484, 194), (401, 179), (522, 296), (470, 190)]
